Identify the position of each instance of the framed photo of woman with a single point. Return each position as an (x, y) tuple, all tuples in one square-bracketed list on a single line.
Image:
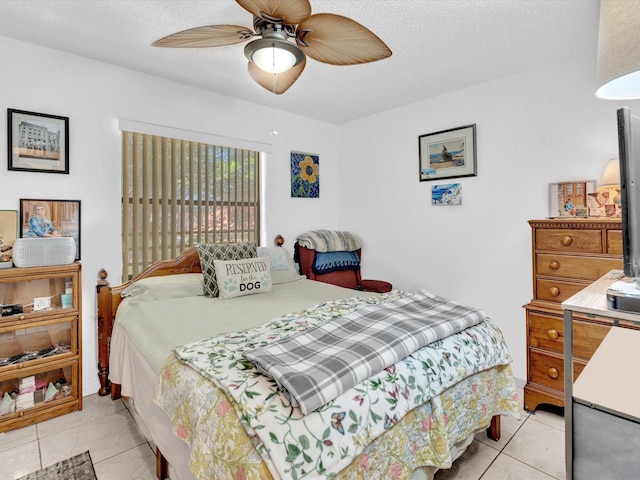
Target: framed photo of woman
[(50, 219)]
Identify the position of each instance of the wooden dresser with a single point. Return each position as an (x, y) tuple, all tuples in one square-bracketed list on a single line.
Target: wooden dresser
[(568, 255)]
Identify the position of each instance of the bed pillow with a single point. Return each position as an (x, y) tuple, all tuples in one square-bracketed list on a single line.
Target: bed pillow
[(335, 261), (237, 278), (209, 252), (165, 286), (280, 275)]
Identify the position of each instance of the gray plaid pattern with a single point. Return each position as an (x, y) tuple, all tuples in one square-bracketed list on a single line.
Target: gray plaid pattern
[(330, 241), (208, 252), (316, 366)]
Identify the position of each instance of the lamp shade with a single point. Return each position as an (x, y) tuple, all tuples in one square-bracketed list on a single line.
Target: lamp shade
[(619, 50), (611, 173)]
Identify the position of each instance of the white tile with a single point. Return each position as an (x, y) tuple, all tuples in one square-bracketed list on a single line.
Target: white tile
[(19, 461), (93, 406), (104, 437), (17, 437), (136, 464), (552, 418), (507, 468), (508, 428), (539, 446), (471, 464)]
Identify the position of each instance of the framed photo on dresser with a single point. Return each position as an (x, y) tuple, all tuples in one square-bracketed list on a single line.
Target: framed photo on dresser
[(50, 219)]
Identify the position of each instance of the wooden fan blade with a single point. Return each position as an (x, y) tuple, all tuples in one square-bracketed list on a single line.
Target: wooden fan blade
[(338, 40), (282, 81), (209, 36), (293, 11)]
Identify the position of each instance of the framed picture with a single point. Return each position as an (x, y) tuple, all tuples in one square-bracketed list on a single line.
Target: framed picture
[(38, 142), (448, 154), (50, 218), (447, 194), (605, 202), (570, 199), (305, 175), (8, 235)]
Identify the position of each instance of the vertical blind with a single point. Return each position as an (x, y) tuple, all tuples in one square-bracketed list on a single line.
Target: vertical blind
[(178, 193)]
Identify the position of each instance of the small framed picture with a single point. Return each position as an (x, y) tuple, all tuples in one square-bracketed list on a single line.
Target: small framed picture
[(8, 235), (447, 194), (50, 219), (38, 142), (570, 199), (448, 154), (605, 202)]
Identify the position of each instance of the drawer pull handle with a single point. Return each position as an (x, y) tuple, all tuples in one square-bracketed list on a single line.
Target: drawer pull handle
[(554, 265), (21, 317), (567, 240), (554, 291), (553, 372), (553, 334)]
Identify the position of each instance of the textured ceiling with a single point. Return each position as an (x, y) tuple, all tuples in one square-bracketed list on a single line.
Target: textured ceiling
[(438, 45)]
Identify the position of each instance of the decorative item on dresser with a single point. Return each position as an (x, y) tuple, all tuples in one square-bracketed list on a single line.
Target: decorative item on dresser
[(568, 255), (40, 344)]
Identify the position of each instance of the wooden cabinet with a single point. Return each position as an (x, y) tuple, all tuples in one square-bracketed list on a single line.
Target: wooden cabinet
[(40, 344), (567, 256)]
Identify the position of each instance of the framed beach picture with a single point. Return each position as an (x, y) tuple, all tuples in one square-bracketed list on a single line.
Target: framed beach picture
[(38, 142), (50, 218), (448, 153)]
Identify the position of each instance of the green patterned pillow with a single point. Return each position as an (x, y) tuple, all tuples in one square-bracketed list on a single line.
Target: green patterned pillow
[(221, 251), (237, 278)]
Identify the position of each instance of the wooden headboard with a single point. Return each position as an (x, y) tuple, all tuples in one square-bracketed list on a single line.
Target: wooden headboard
[(109, 299)]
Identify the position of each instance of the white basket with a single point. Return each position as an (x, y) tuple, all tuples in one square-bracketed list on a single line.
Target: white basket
[(42, 252)]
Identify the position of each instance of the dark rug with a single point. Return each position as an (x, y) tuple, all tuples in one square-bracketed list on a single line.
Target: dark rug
[(79, 467)]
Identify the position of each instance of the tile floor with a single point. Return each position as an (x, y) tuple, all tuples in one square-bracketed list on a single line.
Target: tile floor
[(530, 449)]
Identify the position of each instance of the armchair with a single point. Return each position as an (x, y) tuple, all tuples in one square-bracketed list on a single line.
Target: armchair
[(344, 269)]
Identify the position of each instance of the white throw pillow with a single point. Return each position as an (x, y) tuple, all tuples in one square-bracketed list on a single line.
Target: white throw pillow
[(236, 278)]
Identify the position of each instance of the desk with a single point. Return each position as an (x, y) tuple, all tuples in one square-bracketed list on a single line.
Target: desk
[(602, 408)]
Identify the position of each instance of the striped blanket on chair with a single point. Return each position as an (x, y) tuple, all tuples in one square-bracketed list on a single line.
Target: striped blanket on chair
[(330, 241)]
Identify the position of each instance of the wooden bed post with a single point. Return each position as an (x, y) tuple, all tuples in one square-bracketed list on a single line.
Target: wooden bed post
[(162, 466), (493, 431), (105, 325)]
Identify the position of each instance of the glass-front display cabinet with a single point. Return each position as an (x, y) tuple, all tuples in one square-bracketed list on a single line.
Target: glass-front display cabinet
[(40, 344)]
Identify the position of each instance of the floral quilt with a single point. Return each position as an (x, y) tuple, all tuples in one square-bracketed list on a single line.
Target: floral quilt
[(404, 402)]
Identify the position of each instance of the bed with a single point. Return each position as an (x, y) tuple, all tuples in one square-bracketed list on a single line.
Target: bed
[(235, 422)]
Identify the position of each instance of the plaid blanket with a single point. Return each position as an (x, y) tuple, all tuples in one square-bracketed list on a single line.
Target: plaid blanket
[(316, 366), (330, 241)]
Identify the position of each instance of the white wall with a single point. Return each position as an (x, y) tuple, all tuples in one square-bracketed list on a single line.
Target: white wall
[(94, 96), (532, 129)]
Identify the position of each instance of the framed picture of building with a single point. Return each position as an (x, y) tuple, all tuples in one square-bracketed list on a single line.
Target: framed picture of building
[(38, 142)]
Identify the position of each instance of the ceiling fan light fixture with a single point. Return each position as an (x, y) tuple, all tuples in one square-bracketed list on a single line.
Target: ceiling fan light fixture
[(273, 55)]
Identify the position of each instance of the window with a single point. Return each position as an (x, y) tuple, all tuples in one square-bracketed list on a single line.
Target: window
[(178, 193)]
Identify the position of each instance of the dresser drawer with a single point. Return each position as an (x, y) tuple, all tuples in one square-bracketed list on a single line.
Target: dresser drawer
[(547, 332), (614, 242), (548, 369), (573, 266), (558, 291), (566, 240)]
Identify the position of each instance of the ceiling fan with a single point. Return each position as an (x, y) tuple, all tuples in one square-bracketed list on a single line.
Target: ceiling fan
[(275, 63)]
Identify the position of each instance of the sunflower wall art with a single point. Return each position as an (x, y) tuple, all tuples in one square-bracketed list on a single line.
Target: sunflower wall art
[(305, 175)]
